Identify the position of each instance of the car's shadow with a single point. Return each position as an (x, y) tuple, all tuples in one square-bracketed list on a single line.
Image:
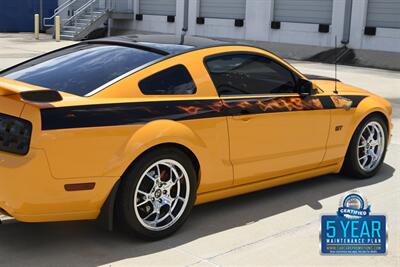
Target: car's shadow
[(86, 244)]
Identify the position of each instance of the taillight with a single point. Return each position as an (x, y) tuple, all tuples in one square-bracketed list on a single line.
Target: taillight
[(15, 134)]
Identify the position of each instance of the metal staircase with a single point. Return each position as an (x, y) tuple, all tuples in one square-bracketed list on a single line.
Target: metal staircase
[(83, 24), (79, 18)]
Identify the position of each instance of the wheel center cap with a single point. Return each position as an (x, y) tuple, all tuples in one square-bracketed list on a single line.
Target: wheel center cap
[(158, 193)]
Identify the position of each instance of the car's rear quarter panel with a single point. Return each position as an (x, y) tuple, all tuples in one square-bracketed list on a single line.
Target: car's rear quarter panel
[(11, 105), (108, 151)]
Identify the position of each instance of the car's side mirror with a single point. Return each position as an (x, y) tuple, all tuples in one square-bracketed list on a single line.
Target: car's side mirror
[(305, 87)]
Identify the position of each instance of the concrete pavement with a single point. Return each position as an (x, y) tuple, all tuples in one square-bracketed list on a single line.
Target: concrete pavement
[(18, 47), (274, 227)]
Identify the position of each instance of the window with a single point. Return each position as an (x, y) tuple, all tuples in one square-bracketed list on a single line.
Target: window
[(238, 74), (80, 69), (172, 81)]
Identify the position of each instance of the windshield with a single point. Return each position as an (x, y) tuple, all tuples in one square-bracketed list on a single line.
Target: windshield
[(82, 68)]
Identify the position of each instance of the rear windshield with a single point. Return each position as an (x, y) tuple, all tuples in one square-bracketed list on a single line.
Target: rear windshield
[(82, 68)]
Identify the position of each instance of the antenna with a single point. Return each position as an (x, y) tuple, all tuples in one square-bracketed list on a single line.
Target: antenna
[(336, 59)]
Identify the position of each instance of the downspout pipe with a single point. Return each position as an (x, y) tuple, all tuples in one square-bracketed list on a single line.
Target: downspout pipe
[(185, 21), (41, 14), (347, 22)]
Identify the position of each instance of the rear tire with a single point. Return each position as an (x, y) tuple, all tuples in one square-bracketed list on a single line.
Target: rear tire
[(157, 193), (367, 149)]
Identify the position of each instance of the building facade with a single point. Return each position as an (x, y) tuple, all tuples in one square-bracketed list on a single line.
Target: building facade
[(18, 15), (361, 24)]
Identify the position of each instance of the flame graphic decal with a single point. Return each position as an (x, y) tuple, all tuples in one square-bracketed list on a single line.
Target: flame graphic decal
[(254, 106), (341, 102), (190, 109)]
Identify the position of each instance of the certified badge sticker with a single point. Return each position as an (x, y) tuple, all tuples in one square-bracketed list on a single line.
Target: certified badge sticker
[(353, 230)]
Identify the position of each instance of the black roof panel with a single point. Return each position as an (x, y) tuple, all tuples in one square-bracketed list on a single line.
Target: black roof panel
[(161, 43)]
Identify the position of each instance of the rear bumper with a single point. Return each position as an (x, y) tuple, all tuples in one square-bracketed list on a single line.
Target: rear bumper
[(29, 193)]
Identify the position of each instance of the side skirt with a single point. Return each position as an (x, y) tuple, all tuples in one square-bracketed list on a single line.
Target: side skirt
[(261, 185)]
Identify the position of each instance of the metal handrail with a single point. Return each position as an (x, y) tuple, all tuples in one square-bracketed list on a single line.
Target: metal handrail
[(58, 11), (80, 10), (62, 5)]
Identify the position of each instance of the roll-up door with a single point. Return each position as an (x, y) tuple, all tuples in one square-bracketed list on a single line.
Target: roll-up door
[(224, 9), (303, 11), (157, 7), (383, 13)]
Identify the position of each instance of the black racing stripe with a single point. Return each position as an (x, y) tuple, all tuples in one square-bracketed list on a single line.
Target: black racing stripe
[(356, 99), (125, 113), (327, 102), (143, 112)]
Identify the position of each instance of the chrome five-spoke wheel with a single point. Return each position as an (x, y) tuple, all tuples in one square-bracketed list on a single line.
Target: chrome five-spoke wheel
[(371, 145), (161, 195), (158, 192), (367, 148)]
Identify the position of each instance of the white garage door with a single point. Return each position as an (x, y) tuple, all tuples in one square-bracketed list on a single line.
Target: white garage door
[(224, 9), (303, 11), (383, 13), (157, 7)]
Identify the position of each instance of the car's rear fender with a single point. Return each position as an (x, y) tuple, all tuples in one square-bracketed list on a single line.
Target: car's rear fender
[(153, 134)]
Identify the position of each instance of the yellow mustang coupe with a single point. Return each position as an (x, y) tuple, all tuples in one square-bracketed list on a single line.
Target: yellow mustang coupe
[(140, 131)]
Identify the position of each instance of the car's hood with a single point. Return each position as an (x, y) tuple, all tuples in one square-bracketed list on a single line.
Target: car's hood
[(329, 86)]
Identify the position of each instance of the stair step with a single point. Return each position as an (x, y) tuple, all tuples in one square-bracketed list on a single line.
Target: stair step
[(72, 27), (66, 37), (77, 24), (89, 17), (69, 32), (92, 14), (99, 10), (82, 20)]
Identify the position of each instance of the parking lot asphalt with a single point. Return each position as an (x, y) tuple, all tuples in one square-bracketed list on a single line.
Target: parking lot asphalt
[(274, 227)]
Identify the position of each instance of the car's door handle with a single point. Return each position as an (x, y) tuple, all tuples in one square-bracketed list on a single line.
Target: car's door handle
[(242, 115)]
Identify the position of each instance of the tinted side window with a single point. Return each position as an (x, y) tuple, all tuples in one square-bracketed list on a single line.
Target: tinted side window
[(172, 81), (238, 74)]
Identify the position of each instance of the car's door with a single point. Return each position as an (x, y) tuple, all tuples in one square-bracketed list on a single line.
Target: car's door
[(273, 131)]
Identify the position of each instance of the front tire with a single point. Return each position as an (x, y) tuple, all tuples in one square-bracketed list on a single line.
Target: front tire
[(157, 193), (367, 148)]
